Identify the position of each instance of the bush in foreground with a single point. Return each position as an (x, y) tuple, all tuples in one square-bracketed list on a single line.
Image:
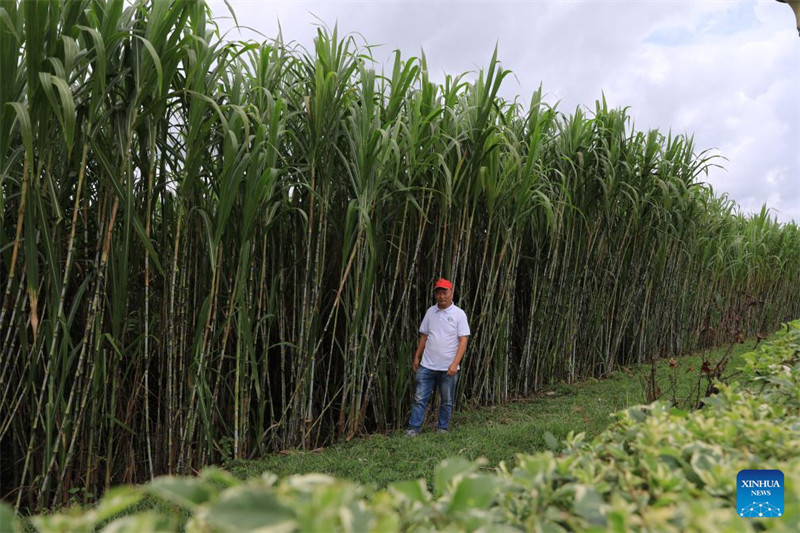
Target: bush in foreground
[(656, 469)]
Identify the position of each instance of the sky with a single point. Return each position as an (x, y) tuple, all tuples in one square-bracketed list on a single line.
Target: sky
[(726, 72)]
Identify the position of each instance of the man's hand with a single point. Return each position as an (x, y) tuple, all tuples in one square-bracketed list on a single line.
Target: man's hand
[(462, 347), (423, 338)]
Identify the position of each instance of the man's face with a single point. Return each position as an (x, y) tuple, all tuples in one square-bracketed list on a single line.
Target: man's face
[(444, 297)]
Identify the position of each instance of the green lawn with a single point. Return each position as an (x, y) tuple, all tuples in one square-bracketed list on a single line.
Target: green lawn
[(496, 433)]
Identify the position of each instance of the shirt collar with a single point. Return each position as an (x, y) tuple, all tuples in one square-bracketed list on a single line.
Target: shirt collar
[(445, 310)]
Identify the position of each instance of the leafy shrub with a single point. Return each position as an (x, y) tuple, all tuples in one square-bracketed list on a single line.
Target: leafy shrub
[(656, 468)]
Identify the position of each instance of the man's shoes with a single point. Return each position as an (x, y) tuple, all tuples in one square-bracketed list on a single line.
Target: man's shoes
[(441, 430), (410, 432)]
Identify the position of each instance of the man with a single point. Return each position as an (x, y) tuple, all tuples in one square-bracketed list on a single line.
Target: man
[(443, 340)]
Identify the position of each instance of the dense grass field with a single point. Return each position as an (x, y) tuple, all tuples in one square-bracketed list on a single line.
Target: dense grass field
[(500, 432)]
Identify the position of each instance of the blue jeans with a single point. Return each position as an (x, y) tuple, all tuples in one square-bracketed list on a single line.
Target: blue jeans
[(425, 381)]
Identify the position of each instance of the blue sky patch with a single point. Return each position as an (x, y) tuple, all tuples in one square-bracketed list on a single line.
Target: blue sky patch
[(739, 18)]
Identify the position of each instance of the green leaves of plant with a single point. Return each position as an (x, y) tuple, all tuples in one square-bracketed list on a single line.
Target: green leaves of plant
[(24, 123), (65, 112), (243, 508), (414, 490), (473, 493), (116, 501), (449, 472), (588, 504), (183, 492), (551, 441), (8, 519)]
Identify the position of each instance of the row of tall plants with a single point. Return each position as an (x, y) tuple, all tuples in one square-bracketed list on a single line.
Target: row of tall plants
[(215, 249), (655, 468)]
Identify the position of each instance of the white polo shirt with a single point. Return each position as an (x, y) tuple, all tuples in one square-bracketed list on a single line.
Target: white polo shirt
[(443, 328)]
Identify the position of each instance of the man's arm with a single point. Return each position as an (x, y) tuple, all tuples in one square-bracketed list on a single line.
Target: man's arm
[(420, 348), (462, 347)]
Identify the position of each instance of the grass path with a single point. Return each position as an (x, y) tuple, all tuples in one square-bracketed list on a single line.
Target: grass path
[(496, 433)]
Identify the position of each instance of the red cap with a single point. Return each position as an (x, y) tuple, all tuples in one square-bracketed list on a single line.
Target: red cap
[(442, 284)]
